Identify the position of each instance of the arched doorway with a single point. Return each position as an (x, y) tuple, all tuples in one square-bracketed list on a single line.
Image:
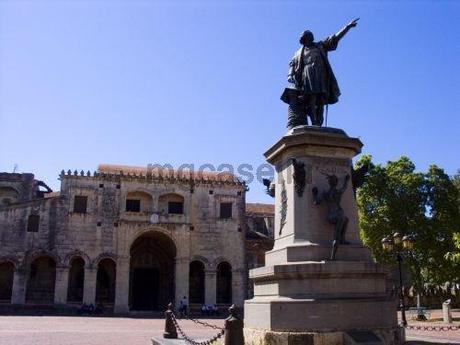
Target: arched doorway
[(42, 277), (152, 272), (106, 276), (196, 282), (224, 283), (6, 281), (76, 280)]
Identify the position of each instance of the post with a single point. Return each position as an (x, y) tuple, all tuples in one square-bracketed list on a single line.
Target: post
[(446, 312), (401, 292), (170, 328), (234, 328)]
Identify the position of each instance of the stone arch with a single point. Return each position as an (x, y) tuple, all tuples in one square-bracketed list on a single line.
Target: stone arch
[(105, 280), (149, 230), (144, 198), (77, 253), (196, 282), (152, 271), (11, 259), (42, 279), (103, 256), (76, 279), (224, 283), (8, 195), (218, 260), (37, 253), (201, 258), (171, 203)]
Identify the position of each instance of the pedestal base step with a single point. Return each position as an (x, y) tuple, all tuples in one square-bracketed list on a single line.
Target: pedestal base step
[(361, 338), (166, 341)]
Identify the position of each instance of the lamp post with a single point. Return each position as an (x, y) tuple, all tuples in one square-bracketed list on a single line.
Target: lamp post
[(399, 246)]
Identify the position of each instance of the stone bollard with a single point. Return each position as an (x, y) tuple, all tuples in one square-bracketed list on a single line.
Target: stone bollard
[(233, 328), (170, 328), (446, 311)]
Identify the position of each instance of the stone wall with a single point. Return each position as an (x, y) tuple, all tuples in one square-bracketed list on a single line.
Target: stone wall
[(107, 231)]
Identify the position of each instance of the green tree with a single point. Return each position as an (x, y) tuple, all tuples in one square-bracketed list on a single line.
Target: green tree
[(396, 197), (455, 255)]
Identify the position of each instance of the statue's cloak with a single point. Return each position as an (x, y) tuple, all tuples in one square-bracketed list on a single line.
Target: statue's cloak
[(314, 78)]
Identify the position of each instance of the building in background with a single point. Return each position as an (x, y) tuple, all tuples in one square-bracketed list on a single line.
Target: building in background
[(259, 236), (132, 238)]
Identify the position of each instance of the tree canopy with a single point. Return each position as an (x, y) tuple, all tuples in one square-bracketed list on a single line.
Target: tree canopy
[(397, 198)]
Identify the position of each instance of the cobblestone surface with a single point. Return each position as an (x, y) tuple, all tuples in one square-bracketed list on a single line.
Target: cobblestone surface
[(52, 330)]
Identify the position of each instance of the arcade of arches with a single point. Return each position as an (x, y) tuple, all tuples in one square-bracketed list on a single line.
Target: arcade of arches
[(150, 280)]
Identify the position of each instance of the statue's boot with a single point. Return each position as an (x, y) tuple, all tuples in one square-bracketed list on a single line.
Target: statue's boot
[(296, 116), (317, 118)]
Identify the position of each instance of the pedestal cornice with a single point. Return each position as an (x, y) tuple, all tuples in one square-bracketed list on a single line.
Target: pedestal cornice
[(310, 136)]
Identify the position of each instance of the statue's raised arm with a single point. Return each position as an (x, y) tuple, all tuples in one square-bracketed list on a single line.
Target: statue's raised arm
[(346, 28)]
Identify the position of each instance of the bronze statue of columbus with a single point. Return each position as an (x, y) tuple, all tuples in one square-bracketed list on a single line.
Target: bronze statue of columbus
[(314, 83)]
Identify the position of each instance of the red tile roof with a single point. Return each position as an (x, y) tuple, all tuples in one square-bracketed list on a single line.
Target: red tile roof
[(260, 208)]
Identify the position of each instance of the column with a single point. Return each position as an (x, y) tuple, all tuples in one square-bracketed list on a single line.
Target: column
[(210, 287), (61, 284), (238, 287), (89, 288), (181, 279), (18, 295), (122, 286)]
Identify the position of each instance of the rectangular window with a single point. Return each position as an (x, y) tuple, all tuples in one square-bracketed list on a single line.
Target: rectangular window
[(225, 210), (33, 222), (80, 203), (133, 205), (175, 207)]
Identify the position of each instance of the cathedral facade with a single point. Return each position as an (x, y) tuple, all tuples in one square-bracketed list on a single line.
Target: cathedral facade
[(132, 239)]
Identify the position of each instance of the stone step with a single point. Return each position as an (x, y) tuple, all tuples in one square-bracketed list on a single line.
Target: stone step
[(361, 338)]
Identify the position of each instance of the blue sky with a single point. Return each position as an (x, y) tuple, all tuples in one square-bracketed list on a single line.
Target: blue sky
[(139, 82)]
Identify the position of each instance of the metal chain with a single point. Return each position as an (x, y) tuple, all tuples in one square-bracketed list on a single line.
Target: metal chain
[(190, 340), (204, 323), (433, 328)]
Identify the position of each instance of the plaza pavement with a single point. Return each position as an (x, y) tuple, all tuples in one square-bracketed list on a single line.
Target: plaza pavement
[(75, 330), (416, 337)]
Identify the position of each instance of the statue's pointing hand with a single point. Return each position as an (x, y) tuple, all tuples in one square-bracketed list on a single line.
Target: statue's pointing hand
[(353, 23)]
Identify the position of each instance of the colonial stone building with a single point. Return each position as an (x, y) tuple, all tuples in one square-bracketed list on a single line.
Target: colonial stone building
[(127, 237), (259, 236)]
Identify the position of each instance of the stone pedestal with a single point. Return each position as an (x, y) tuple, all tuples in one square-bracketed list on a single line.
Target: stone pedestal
[(300, 295)]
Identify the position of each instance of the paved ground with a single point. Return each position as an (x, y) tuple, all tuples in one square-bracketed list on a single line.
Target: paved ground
[(434, 337), (61, 330), (58, 330)]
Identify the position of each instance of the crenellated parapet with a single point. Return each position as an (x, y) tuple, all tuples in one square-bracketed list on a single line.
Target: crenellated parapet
[(156, 175)]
